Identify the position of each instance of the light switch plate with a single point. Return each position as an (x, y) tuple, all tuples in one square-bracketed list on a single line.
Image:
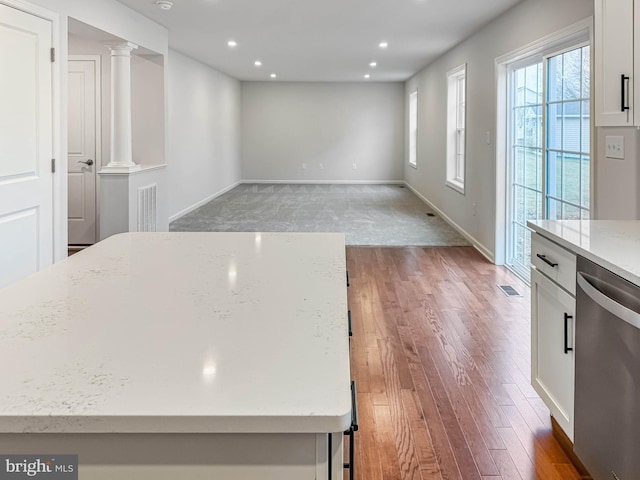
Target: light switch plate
[(614, 146)]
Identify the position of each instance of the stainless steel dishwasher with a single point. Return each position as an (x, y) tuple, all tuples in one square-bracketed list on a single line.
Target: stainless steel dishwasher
[(607, 373)]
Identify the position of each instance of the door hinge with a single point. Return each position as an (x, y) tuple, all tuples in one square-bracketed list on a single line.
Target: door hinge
[(53, 54), (53, 165)]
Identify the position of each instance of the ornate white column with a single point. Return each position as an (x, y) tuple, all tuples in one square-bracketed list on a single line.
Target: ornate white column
[(121, 146)]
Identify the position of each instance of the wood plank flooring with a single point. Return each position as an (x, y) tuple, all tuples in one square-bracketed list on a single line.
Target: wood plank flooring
[(441, 357)]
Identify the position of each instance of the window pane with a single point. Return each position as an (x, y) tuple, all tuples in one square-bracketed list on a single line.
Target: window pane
[(586, 127), (554, 174), (586, 68), (518, 92), (554, 126), (554, 209), (585, 181), (531, 205), (585, 215), (569, 212), (531, 168), (519, 125), (532, 91), (554, 82), (572, 74), (519, 158), (571, 127), (571, 179), (519, 205)]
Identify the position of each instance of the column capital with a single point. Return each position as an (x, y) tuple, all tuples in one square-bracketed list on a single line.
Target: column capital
[(121, 48)]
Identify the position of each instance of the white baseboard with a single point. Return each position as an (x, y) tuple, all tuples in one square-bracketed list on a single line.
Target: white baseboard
[(329, 182), (191, 208), (484, 251)]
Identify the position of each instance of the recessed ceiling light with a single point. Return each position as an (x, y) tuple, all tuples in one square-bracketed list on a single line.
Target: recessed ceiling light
[(273, 75), (257, 63), (232, 43), (164, 5), (373, 64), (383, 45), (367, 76)]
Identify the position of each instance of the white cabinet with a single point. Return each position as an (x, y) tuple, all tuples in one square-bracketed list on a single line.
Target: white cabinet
[(552, 330), (617, 67)]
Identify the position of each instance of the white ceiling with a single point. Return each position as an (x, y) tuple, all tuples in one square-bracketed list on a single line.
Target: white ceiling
[(320, 40)]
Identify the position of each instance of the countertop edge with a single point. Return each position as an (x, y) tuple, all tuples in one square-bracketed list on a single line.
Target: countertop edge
[(579, 250)]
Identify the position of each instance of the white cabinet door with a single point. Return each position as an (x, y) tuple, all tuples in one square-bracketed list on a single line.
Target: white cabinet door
[(613, 61), (552, 340)]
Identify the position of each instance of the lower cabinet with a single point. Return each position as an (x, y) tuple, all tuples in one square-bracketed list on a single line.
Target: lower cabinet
[(552, 340)]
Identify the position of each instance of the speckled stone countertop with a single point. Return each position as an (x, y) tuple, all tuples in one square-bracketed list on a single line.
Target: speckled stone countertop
[(180, 332), (613, 244)]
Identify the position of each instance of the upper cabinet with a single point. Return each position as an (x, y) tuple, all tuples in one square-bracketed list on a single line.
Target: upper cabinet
[(617, 68)]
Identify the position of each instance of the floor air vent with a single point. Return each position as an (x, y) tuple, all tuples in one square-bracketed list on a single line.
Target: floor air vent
[(509, 291)]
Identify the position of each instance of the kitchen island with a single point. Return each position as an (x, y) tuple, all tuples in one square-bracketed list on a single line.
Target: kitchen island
[(182, 355)]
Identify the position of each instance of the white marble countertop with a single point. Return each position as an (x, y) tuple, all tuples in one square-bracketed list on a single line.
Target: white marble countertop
[(614, 244), (180, 332)]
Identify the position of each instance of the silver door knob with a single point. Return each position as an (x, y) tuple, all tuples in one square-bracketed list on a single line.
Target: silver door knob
[(88, 162)]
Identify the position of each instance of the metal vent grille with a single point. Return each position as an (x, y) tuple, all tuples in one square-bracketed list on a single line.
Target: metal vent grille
[(509, 291), (147, 208)]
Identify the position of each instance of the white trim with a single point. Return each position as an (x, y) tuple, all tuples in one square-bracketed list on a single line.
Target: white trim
[(126, 172), (484, 251), (542, 46), (191, 208)]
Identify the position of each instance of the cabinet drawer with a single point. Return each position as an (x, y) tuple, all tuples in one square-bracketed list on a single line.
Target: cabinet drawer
[(555, 262)]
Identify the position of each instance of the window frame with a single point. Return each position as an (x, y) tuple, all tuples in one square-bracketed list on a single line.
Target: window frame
[(456, 128), (413, 128)]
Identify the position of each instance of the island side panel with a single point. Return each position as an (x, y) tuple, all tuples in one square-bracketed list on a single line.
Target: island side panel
[(187, 456)]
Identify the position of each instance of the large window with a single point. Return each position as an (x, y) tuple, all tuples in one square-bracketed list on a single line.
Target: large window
[(549, 161), (413, 128), (456, 123)]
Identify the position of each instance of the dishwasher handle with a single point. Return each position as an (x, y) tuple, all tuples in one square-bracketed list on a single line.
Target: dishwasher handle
[(616, 307)]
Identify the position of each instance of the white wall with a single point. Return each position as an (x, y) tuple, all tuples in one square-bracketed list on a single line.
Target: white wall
[(618, 180), (204, 133), (286, 125), (526, 22)]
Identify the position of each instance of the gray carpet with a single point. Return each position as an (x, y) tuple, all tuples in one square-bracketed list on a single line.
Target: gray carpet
[(385, 215)]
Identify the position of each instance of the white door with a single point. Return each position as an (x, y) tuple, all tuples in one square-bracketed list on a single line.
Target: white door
[(26, 144), (82, 147)]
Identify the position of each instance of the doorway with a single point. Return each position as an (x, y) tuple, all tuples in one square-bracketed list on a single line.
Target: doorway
[(546, 160), (84, 151)]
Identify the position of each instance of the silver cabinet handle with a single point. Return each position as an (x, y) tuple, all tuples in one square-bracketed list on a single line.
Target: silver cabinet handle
[(586, 283), (88, 162)]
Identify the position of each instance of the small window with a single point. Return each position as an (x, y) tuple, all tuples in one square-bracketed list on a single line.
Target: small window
[(456, 123), (413, 129)]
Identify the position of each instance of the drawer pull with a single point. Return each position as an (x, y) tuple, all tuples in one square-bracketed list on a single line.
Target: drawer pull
[(350, 325), (546, 260), (567, 348), (348, 284)]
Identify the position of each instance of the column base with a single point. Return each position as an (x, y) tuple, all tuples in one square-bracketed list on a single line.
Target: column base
[(120, 168)]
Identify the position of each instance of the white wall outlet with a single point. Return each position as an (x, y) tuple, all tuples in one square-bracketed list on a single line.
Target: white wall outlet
[(322, 166), (304, 166), (614, 146), (487, 137), (355, 166)]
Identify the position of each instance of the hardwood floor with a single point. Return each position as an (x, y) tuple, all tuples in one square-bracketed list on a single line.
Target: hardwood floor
[(441, 357)]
